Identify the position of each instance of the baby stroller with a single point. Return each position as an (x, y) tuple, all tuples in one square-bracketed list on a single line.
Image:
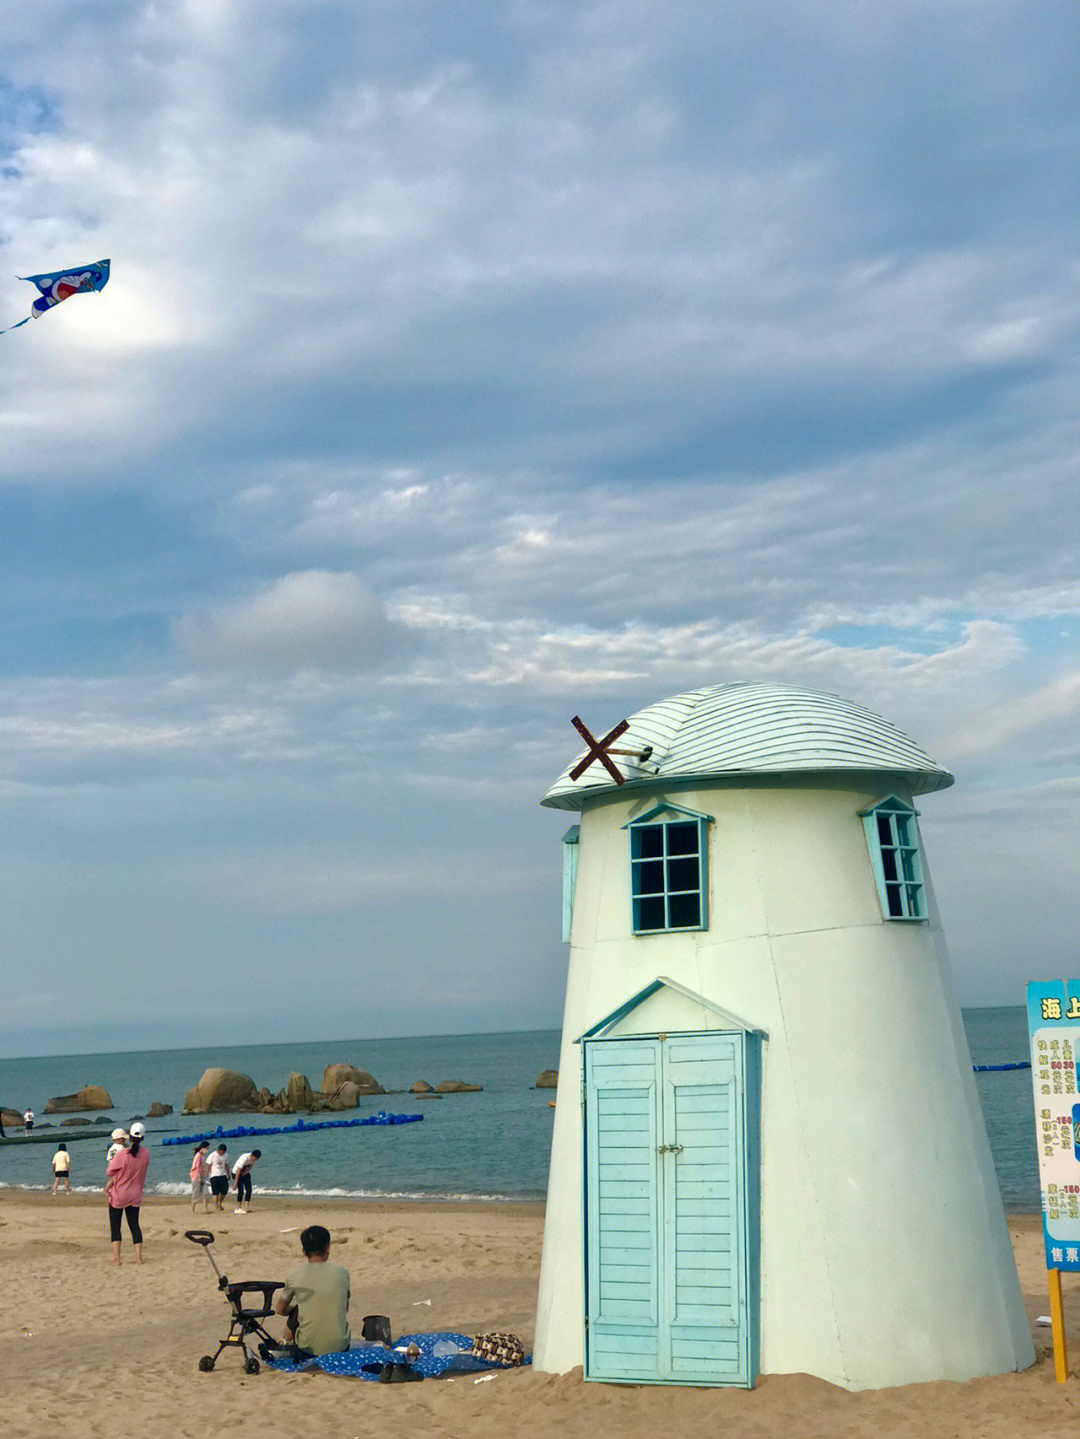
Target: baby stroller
[(246, 1327)]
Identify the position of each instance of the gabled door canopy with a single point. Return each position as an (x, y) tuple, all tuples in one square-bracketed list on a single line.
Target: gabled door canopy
[(731, 1021)]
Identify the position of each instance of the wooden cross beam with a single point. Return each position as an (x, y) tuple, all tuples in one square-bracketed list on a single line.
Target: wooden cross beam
[(598, 749), (601, 749)]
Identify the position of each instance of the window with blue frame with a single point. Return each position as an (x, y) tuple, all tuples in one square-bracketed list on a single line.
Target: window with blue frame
[(668, 870), (893, 838)]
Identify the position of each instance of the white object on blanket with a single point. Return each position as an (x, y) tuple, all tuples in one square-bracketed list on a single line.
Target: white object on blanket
[(444, 1347), (1044, 1319), (418, 1302), (483, 1378)]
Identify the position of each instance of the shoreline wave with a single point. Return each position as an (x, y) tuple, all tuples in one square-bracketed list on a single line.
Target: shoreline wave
[(169, 1189)]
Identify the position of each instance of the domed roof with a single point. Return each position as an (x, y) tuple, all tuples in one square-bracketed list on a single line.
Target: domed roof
[(753, 729)]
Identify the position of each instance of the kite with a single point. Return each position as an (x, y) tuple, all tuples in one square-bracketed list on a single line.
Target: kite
[(61, 285)]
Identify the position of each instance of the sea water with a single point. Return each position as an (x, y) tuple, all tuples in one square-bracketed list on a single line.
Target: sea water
[(494, 1144)]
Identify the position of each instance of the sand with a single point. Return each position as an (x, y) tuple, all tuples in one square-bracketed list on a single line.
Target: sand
[(91, 1350)]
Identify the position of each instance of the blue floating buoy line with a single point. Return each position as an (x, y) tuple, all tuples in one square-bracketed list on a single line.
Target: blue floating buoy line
[(983, 1068), (243, 1131)]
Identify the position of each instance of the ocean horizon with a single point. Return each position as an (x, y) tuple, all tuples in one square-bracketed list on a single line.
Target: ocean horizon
[(492, 1145)]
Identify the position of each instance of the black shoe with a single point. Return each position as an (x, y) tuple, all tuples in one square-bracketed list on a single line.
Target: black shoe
[(398, 1374)]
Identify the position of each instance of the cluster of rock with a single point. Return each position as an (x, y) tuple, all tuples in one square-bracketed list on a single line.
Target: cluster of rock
[(549, 1079), (91, 1096), (227, 1091)]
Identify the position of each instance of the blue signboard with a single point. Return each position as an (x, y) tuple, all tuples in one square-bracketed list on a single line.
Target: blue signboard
[(1054, 1026)]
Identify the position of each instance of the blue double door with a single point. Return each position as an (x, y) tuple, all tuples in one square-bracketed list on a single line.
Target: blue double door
[(670, 1209)]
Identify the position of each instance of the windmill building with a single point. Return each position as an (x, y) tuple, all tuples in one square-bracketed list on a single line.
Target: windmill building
[(769, 1154)]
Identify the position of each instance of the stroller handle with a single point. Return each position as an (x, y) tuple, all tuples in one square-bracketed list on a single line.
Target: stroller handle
[(203, 1238)]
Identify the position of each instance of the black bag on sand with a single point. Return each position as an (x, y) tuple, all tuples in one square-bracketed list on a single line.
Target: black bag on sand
[(376, 1329)]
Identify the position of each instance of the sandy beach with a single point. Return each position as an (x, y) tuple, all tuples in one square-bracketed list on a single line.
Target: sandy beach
[(91, 1350)]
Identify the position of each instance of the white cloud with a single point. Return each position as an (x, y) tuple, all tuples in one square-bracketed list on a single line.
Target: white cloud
[(88, 734), (310, 620), (1024, 716)]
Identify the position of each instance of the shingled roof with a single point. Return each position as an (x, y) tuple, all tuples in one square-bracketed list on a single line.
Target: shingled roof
[(754, 729)]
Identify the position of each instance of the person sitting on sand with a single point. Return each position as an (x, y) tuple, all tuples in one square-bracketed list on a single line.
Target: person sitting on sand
[(315, 1298), (242, 1179), (61, 1168), (217, 1166)]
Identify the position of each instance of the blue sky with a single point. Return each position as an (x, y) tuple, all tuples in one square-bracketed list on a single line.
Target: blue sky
[(465, 367)]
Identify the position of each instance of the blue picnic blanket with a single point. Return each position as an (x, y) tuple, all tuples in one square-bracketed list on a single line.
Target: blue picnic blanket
[(365, 1361)]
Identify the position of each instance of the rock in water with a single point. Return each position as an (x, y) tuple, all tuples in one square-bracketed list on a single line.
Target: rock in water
[(347, 1096), (221, 1089), (457, 1086), (298, 1094), (335, 1075), (421, 1087), (90, 1097), (548, 1080), (158, 1110)]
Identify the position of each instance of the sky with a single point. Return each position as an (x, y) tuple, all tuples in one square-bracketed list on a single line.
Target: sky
[(468, 366)]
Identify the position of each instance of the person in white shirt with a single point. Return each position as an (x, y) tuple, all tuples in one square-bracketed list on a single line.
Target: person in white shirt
[(242, 1179), (28, 1120), (217, 1167), (119, 1139), (61, 1168)]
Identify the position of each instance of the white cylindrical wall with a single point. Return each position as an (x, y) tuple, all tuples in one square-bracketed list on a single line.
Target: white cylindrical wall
[(885, 1257)]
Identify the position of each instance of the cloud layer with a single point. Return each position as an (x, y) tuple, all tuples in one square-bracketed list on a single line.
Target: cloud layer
[(464, 367)]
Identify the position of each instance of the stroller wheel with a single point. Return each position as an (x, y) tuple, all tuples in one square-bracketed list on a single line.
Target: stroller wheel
[(251, 1366), (206, 1363)]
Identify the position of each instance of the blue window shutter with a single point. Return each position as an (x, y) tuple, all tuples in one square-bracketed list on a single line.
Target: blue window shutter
[(569, 878), (703, 851)]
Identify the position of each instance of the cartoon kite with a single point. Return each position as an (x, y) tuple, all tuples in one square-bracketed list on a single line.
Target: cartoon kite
[(61, 285)]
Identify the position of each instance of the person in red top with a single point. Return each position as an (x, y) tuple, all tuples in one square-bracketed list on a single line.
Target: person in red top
[(124, 1187)]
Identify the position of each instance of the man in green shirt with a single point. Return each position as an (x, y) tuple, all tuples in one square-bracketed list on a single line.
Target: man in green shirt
[(315, 1297)]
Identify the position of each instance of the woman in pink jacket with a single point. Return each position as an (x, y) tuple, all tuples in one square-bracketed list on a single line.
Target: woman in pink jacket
[(124, 1187)]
